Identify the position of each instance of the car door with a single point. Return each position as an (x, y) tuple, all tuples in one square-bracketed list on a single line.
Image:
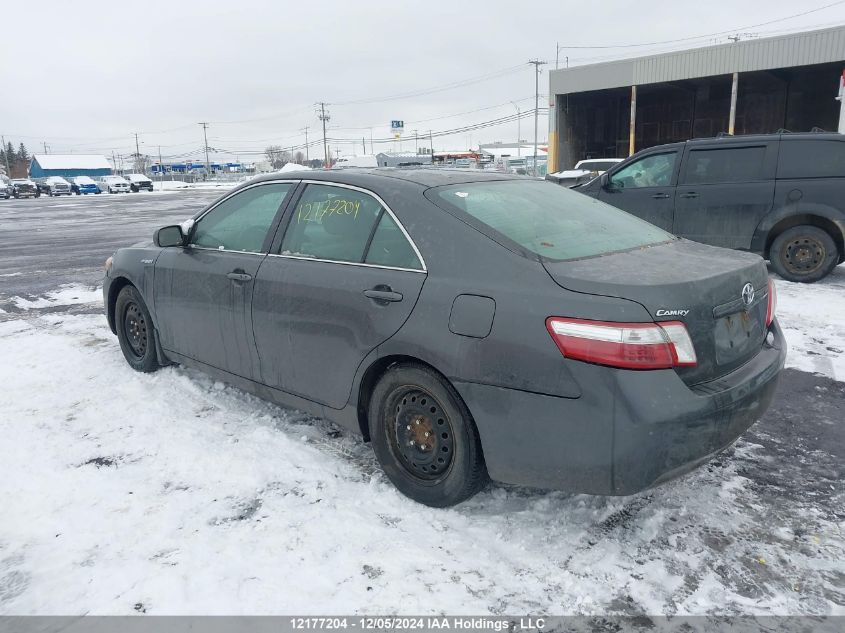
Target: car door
[(203, 292), (342, 279), (724, 190), (645, 187)]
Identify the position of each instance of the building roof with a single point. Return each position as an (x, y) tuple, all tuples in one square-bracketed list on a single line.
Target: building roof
[(795, 49), (71, 161)]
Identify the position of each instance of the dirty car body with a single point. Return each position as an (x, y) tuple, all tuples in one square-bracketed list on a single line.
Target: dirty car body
[(546, 339)]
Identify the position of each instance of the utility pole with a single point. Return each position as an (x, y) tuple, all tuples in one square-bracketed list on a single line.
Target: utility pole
[(45, 146), (205, 139), (537, 63), (431, 144), (307, 159), (416, 145), (160, 169), (137, 149), (6, 154), (324, 117)]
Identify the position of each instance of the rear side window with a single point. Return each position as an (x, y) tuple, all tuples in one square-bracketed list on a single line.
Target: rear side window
[(727, 164), (547, 219), (811, 159), (333, 223)]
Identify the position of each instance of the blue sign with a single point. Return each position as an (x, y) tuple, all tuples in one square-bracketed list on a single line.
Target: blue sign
[(397, 125)]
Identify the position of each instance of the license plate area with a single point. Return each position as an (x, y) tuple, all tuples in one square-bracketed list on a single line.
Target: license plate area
[(739, 335)]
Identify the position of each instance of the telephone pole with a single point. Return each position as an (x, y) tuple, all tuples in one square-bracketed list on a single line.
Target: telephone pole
[(323, 116), (537, 63), (205, 139), (307, 159)]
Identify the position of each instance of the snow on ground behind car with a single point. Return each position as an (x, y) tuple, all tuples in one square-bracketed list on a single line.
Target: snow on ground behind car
[(183, 495)]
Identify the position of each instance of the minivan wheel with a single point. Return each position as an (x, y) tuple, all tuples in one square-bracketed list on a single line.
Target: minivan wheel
[(424, 437), (135, 330), (803, 253)]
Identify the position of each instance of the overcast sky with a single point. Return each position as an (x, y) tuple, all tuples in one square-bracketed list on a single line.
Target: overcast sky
[(84, 76)]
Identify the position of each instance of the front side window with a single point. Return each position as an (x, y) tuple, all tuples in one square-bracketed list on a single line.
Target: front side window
[(241, 223), (333, 223), (737, 164), (546, 219), (650, 171)]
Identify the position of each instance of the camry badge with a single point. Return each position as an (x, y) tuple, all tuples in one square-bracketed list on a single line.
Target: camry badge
[(662, 312), (748, 294)]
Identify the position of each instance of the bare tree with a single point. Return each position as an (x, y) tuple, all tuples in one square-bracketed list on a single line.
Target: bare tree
[(299, 158), (142, 163), (276, 156)]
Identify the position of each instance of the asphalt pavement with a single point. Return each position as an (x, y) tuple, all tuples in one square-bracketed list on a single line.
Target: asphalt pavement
[(46, 242)]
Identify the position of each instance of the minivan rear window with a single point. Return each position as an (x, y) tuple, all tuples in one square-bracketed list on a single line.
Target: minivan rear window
[(546, 219), (811, 159)]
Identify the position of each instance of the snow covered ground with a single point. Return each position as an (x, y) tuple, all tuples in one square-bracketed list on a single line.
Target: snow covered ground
[(172, 493)]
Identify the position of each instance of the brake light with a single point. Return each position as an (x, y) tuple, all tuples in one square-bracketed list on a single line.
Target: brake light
[(625, 345), (772, 303)]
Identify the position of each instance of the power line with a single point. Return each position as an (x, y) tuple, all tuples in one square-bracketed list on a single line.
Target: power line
[(698, 37)]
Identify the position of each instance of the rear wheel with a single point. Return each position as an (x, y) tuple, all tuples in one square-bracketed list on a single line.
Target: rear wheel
[(424, 437), (135, 330), (804, 253)]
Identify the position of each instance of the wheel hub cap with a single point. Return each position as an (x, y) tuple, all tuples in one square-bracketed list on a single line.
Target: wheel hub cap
[(804, 255), (424, 439), (135, 328)]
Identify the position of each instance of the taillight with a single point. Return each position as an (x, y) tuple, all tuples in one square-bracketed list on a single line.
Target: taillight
[(772, 303), (626, 345)]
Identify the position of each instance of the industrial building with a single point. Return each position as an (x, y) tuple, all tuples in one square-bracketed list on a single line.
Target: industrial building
[(613, 109), (69, 165)]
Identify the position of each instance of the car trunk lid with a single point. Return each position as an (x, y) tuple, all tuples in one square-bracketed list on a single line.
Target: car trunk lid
[(698, 285)]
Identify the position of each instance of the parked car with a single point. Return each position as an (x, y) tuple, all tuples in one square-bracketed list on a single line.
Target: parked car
[(24, 188), (54, 186), (5, 188), (779, 195), (138, 182), (584, 171), (113, 184), (466, 323), (83, 185)]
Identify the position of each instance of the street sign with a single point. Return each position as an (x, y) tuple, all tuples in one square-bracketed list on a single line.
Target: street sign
[(397, 127)]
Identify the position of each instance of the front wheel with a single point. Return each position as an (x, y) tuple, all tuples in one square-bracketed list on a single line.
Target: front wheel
[(804, 254), (135, 330), (424, 437)]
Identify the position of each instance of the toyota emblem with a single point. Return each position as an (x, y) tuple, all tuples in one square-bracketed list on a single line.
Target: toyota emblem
[(748, 294)]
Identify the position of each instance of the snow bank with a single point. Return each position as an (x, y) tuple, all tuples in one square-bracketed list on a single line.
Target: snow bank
[(293, 167)]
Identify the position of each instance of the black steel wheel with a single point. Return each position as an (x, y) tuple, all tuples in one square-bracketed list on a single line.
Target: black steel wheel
[(421, 434), (135, 330), (424, 437), (804, 253)]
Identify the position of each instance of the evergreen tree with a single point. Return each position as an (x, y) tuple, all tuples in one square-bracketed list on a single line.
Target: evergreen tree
[(10, 152), (23, 155)]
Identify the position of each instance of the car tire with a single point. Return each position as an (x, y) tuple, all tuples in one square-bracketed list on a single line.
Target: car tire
[(424, 437), (804, 254), (135, 330)]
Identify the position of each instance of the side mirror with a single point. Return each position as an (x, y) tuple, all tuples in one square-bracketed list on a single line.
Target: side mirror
[(169, 236), (604, 181)]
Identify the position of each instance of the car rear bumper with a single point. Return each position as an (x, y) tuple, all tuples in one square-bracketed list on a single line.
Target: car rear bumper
[(630, 430)]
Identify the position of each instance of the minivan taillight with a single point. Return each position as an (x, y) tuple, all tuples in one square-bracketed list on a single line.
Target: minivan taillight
[(772, 303), (625, 345)]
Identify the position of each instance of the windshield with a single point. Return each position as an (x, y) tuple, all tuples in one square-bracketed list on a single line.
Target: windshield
[(547, 219)]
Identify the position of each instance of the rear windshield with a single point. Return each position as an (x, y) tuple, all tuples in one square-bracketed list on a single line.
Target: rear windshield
[(547, 219)]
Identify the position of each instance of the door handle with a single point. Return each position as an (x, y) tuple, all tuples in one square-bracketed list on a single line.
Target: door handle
[(660, 196), (383, 294), (239, 276), (689, 194)]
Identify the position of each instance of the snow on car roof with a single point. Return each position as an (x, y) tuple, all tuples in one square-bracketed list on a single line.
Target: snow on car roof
[(84, 180), (71, 161)]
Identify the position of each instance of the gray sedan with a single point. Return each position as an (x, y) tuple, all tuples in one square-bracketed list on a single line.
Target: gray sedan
[(469, 325)]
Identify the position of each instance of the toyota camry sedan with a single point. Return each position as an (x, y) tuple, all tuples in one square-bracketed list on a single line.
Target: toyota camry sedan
[(470, 326)]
